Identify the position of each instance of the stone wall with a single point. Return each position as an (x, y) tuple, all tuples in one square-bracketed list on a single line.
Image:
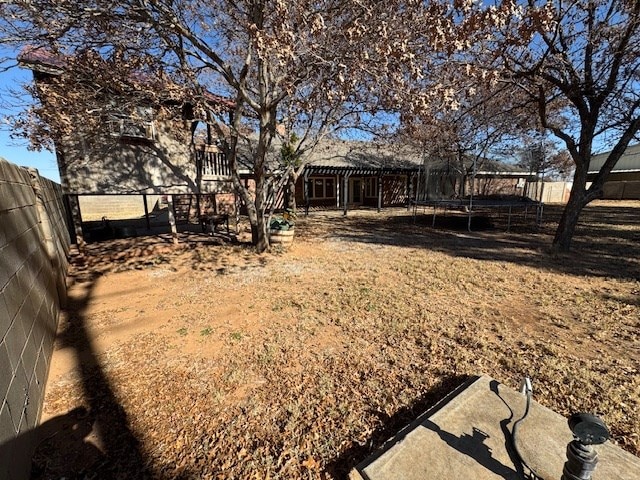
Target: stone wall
[(34, 247)]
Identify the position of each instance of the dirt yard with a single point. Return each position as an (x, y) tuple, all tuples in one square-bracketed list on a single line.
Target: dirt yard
[(208, 361)]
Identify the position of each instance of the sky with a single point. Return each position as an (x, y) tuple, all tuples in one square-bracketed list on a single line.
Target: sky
[(16, 151)]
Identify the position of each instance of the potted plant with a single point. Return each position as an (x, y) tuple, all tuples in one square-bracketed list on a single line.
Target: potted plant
[(282, 228)]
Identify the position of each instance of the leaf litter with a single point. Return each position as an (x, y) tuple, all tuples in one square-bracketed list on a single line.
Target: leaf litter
[(316, 356)]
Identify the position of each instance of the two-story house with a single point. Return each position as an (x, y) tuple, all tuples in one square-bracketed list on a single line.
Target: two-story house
[(137, 154)]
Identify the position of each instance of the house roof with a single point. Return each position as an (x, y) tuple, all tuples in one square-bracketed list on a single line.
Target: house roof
[(629, 161), (334, 156), (41, 60), (344, 156)]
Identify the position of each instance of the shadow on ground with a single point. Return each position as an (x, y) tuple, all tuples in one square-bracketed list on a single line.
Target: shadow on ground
[(391, 425), (94, 439), (607, 241), (155, 250)]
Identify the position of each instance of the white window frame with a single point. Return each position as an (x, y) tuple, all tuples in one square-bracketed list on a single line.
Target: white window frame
[(370, 187), (312, 188)]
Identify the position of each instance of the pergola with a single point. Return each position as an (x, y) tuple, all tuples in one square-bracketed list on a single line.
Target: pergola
[(348, 171)]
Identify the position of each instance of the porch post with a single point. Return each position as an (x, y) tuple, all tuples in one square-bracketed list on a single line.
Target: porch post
[(379, 192), (172, 219), (337, 180), (345, 184), (305, 188)]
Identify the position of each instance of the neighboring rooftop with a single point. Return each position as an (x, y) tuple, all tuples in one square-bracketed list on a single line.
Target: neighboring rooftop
[(629, 161), (363, 155)]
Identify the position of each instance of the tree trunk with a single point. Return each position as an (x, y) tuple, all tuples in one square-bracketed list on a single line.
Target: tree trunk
[(291, 191), (253, 203), (259, 234), (578, 199), (259, 237)]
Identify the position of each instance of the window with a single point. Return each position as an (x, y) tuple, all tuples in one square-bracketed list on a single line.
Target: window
[(139, 125), (329, 188), (370, 187), (318, 188), (322, 188)]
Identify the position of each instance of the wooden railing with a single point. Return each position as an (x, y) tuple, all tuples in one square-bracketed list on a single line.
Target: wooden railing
[(211, 162)]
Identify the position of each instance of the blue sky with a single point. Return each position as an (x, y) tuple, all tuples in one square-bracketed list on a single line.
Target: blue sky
[(16, 151)]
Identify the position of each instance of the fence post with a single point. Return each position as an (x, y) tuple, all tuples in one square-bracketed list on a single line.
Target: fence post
[(172, 219), (47, 233)]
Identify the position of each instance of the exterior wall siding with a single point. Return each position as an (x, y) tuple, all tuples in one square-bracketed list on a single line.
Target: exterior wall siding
[(110, 164), (34, 247), (394, 191)]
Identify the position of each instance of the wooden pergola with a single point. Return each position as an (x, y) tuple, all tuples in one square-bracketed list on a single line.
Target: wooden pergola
[(348, 171)]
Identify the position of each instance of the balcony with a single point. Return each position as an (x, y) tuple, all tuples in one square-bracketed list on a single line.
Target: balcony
[(212, 163)]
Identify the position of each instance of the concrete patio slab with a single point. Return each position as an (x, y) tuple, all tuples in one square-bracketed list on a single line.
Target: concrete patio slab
[(468, 435)]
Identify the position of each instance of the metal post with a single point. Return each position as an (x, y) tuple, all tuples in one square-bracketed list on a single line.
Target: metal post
[(473, 186), (539, 214), (146, 211)]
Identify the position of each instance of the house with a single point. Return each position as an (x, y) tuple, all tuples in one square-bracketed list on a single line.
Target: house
[(154, 158), (623, 182), (351, 174), (343, 174)]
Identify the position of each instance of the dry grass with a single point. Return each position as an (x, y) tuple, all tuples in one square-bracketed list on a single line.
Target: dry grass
[(300, 364)]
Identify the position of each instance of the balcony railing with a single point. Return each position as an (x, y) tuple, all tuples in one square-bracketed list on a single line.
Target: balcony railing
[(211, 162)]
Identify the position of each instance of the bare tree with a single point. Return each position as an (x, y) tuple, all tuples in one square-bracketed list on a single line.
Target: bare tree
[(578, 63), (488, 117), (287, 67), (304, 68), (541, 156)]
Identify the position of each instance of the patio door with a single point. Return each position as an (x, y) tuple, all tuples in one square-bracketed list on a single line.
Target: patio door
[(355, 191)]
